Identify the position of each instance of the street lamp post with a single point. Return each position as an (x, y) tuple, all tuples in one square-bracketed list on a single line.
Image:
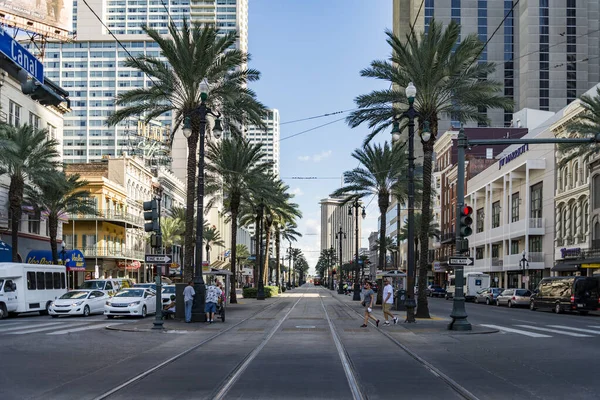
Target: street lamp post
[(201, 112), (356, 206), (339, 236), (524, 263), (331, 255), (260, 293), (289, 272)]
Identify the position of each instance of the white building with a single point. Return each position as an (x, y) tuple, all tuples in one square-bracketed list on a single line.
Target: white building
[(92, 69), (334, 215), (269, 138)]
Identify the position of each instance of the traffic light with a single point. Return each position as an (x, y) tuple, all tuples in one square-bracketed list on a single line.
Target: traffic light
[(151, 216), (41, 93), (466, 220)]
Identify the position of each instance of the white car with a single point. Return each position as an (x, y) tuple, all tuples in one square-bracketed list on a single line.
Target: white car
[(79, 302), (136, 302), (167, 292)]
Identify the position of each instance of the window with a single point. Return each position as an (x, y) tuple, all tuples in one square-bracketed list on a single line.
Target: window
[(536, 200), (14, 113), (496, 214), (479, 253), (56, 276), (514, 247), (34, 120), (495, 251), (40, 280), (515, 201), (62, 280), (33, 223), (49, 280), (596, 184), (31, 280), (535, 244), (51, 131), (480, 217)]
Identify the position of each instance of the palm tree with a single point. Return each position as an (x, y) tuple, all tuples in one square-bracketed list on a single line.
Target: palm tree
[(585, 125), (211, 237), (27, 153), (172, 230), (191, 55), (381, 165), (289, 233), (389, 245), (432, 232), (242, 253), (56, 195), (451, 81), (234, 171)]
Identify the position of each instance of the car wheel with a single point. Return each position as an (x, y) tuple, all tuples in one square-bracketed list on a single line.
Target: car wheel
[(54, 316), (487, 301), (144, 312), (46, 311), (110, 316), (532, 306), (583, 312), (509, 304), (558, 308), (86, 311), (3, 311)]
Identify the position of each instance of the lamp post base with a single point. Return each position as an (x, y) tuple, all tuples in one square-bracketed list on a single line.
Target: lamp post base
[(198, 314), (260, 293), (356, 292), (459, 316)]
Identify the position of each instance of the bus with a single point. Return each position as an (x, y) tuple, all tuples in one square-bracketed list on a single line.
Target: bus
[(30, 287), (317, 280)]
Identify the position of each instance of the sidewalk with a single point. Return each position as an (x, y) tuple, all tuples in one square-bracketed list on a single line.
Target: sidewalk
[(234, 313), (437, 324)]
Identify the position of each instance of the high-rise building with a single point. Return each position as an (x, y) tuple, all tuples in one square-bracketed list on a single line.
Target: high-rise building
[(92, 68), (335, 214), (269, 138), (545, 51)]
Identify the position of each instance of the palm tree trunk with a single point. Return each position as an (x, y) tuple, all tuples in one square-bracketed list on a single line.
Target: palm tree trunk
[(384, 202), (266, 272), (232, 292), (207, 248), (256, 252), (15, 196), (277, 255), (422, 306), (53, 231), (192, 166)]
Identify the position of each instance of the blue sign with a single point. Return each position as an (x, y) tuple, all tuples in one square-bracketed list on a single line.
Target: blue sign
[(21, 56), (513, 155), (73, 259), (5, 252)]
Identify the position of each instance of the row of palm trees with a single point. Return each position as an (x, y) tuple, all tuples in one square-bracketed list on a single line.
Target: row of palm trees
[(236, 174)]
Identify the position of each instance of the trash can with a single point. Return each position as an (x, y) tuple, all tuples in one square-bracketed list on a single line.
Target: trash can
[(401, 300)]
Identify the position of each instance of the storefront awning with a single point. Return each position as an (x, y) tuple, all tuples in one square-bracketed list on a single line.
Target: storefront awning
[(567, 266), (5, 252), (73, 259)]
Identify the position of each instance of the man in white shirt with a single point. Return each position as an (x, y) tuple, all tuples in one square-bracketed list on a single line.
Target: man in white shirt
[(388, 300), (188, 298)]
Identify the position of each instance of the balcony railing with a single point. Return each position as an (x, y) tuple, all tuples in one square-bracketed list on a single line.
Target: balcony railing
[(497, 262), (112, 252), (535, 257), (536, 223), (110, 215)]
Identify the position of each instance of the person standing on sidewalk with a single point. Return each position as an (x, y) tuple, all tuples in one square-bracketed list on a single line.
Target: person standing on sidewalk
[(368, 302), (188, 298), (213, 294), (388, 300)]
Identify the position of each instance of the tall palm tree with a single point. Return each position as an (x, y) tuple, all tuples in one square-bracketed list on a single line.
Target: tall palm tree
[(450, 81), (389, 246), (191, 55), (211, 237), (235, 169), (57, 194), (289, 233), (381, 166), (585, 125), (241, 253), (432, 232), (172, 230), (27, 153)]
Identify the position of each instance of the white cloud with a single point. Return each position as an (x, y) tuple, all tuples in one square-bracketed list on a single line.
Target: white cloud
[(297, 192), (316, 157)]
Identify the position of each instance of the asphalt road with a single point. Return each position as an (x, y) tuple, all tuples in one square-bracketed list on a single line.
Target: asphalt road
[(305, 344)]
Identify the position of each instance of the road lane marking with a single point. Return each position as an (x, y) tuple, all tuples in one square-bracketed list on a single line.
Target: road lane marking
[(520, 332), (85, 328), (575, 329), (26, 331), (553, 331), (21, 327)]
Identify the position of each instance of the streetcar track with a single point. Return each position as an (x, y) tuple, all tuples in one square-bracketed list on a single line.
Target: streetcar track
[(458, 388), (176, 357)]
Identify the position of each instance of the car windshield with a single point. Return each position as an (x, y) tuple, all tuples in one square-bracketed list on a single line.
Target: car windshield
[(131, 293), (523, 292), (170, 289), (92, 285), (1, 283), (497, 290), (75, 295)]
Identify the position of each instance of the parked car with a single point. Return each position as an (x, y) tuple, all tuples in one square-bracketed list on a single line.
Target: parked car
[(436, 291), (488, 295), (136, 302), (514, 297), (167, 292), (562, 293), (108, 286), (125, 283), (79, 302), (151, 286)]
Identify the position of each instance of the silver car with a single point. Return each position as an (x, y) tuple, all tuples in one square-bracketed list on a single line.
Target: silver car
[(514, 297), (488, 295)]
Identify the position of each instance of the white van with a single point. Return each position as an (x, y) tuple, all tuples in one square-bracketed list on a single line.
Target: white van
[(30, 287), (108, 286), (474, 281)]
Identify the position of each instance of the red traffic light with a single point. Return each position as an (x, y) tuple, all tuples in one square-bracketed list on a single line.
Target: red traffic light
[(466, 211)]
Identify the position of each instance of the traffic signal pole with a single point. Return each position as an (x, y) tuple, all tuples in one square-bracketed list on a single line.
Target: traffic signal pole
[(459, 315)]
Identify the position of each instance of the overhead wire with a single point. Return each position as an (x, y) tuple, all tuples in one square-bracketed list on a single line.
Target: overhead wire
[(311, 129), (317, 116)]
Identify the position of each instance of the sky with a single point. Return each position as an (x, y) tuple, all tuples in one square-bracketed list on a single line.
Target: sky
[(310, 54)]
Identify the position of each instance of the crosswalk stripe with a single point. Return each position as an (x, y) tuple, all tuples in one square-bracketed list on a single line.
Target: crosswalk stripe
[(575, 329), (554, 331), (594, 326), (44, 329), (16, 328), (520, 332), (85, 328)]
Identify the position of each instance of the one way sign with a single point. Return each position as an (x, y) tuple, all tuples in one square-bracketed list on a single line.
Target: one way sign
[(460, 261), (158, 258)]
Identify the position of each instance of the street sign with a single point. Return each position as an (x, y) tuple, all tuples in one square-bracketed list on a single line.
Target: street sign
[(21, 56), (158, 258), (460, 261)]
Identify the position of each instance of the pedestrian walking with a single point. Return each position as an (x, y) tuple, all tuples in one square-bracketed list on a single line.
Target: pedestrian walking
[(368, 302), (188, 297), (213, 293), (388, 300)]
